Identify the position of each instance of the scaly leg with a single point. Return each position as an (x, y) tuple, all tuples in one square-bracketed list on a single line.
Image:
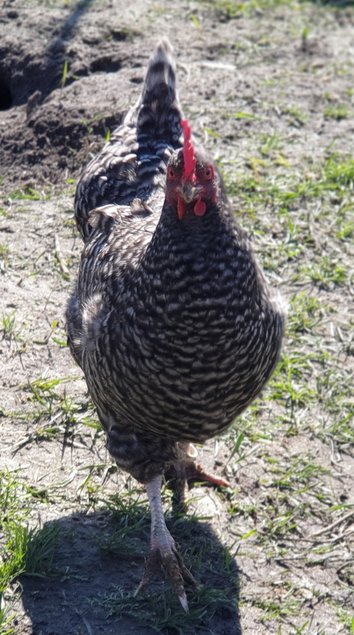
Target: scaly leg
[(163, 550)]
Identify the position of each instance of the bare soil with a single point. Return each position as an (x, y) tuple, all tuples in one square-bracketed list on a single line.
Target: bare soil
[(68, 71)]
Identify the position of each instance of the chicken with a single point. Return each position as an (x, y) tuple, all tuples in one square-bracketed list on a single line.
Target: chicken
[(171, 318)]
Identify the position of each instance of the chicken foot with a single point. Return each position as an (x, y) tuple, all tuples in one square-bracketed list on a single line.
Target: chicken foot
[(187, 472), (163, 551)]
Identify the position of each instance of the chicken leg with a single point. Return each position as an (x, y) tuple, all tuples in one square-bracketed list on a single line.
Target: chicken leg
[(163, 551)]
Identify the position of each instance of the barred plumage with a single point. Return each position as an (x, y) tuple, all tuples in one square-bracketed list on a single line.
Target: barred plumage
[(132, 165), (171, 319)]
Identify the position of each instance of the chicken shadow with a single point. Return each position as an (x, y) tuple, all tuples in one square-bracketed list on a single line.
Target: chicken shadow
[(336, 4), (96, 562)]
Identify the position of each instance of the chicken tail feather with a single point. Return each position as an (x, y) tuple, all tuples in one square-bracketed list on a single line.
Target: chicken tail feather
[(158, 107)]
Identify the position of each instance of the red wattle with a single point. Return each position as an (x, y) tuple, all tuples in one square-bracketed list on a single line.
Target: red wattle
[(180, 208), (200, 207)]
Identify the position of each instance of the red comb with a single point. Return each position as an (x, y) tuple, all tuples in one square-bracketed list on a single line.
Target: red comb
[(188, 151)]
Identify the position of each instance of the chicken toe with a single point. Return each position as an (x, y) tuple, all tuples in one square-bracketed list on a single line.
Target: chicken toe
[(186, 472)]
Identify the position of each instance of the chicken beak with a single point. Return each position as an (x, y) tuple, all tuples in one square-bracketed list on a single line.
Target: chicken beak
[(189, 192)]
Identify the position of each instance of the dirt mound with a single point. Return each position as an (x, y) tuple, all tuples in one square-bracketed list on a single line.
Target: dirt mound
[(58, 94)]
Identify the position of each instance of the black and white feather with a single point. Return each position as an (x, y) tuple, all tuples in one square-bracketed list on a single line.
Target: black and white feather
[(171, 321)]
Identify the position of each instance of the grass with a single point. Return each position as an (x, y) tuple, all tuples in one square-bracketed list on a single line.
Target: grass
[(64, 75), (130, 515), (54, 414), (4, 255), (8, 322), (287, 521), (11, 333), (308, 404), (27, 194), (336, 112), (199, 548), (25, 550), (308, 208), (232, 9), (31, 551), (286, 188), (304, 314), (165, 615)]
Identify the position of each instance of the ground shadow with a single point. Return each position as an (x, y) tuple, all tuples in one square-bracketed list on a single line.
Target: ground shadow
[(339, 4), (98, 563), (21, 76), (40, 54)]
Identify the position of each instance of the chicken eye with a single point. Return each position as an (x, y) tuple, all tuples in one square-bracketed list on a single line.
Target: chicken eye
[(209, 172), (170, 172)]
